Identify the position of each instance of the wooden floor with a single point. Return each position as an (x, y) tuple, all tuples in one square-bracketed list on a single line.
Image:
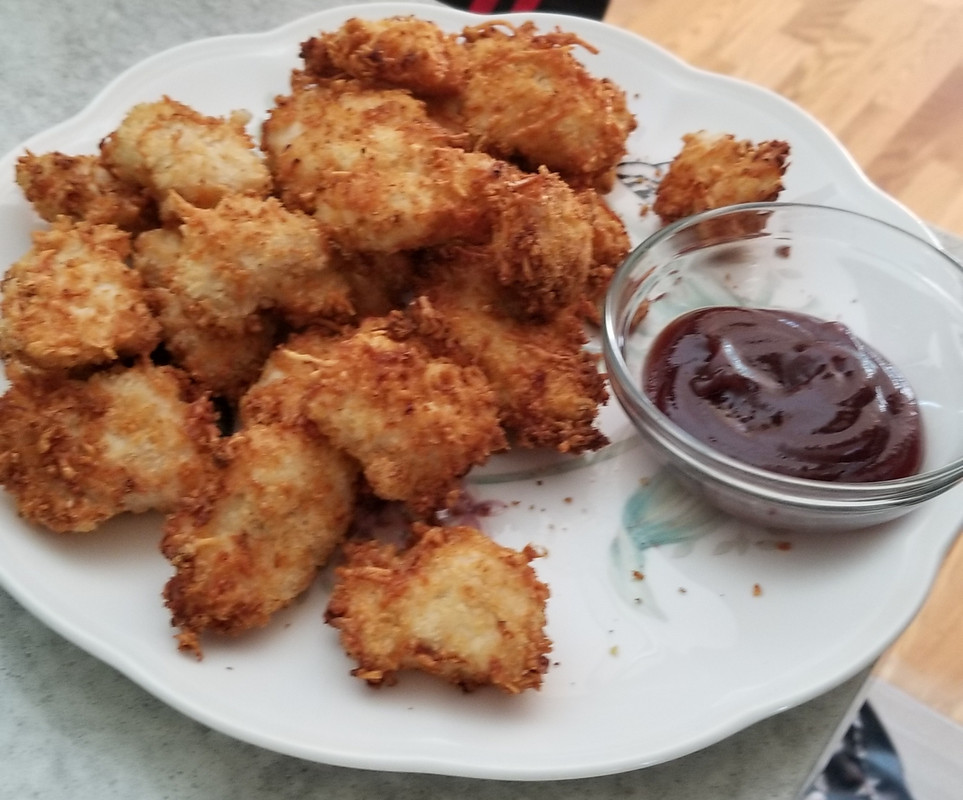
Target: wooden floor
[(885, 76)]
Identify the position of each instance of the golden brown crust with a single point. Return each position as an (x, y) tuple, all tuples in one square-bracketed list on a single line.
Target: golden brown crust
[(610, 246), (499, 82), (715, 171), (511, 104), (455, 604), (74, 453), (373, 169), (284, 284), (254, 540), (83, 189), (547, 386), (416, 423), (399, 51), (541, 243), (166, 146), (286, 378), (248, 254), (71, 301)]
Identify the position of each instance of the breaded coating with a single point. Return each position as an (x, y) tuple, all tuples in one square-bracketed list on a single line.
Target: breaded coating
[(379, 282), (712, 171), (416, 423), (528, 98), (248, 254), (541, 243), (74, 453), (285, 380), (547, 386), (166, 146), (154, 254), (255, 539), (374, 170), (400, 51), (223, 361), (456, 605), (72, 301), (610, 245), (82, 188)]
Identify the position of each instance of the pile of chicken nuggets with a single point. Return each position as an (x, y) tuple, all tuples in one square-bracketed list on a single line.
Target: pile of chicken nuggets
[(256, 337)]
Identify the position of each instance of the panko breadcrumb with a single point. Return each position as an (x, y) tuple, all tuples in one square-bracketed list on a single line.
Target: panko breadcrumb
[(712, 171), (82, 188), (223, 360), (71, 300), (548, 387), (400, 51), (541, 243), (528, 98), (74, 453), (417, 423), (166, 146), (255, 538), (387, 288), (518, 94), (248, 254), (455, 604)]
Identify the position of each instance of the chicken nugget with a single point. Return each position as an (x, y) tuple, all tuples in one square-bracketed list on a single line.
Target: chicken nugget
[(257, 536), (374, 170), (456, 605), (74, 453), (223, 360), (82, 188), (541, 244), (400, 51), (248, 254), (528, 98), (72, 301), (547, 386), (166, 146), (285, 379), (415, 422), (712, 171)]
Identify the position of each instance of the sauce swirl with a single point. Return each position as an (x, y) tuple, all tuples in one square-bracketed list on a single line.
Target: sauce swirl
[(786, 392)]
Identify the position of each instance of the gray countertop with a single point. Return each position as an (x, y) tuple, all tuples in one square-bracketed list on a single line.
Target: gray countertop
[(72, 727)]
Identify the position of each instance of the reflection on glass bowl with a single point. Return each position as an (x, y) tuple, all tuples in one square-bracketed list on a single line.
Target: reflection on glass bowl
[(898, 293)]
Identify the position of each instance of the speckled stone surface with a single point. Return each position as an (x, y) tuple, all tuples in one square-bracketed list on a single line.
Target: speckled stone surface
[(72, 727)]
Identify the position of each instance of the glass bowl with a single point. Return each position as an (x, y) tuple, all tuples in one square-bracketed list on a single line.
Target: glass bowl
[(895, 291)]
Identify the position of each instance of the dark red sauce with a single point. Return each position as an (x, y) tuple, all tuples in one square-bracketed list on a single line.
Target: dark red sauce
[(785, 392)]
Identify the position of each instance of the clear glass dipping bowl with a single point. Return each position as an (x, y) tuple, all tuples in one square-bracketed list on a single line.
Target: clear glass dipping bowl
[(895, 291)]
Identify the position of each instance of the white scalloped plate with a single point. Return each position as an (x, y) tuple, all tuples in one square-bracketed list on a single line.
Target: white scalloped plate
[(644, 670)]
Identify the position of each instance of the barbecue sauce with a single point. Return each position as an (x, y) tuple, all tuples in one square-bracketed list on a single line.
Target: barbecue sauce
[(786, 392)]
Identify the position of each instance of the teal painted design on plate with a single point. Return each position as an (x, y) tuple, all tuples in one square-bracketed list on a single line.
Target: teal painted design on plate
[(660, 512), (663, 512)]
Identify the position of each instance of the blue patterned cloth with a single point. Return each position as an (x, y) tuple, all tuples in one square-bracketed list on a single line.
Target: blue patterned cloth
[(865, 766)]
